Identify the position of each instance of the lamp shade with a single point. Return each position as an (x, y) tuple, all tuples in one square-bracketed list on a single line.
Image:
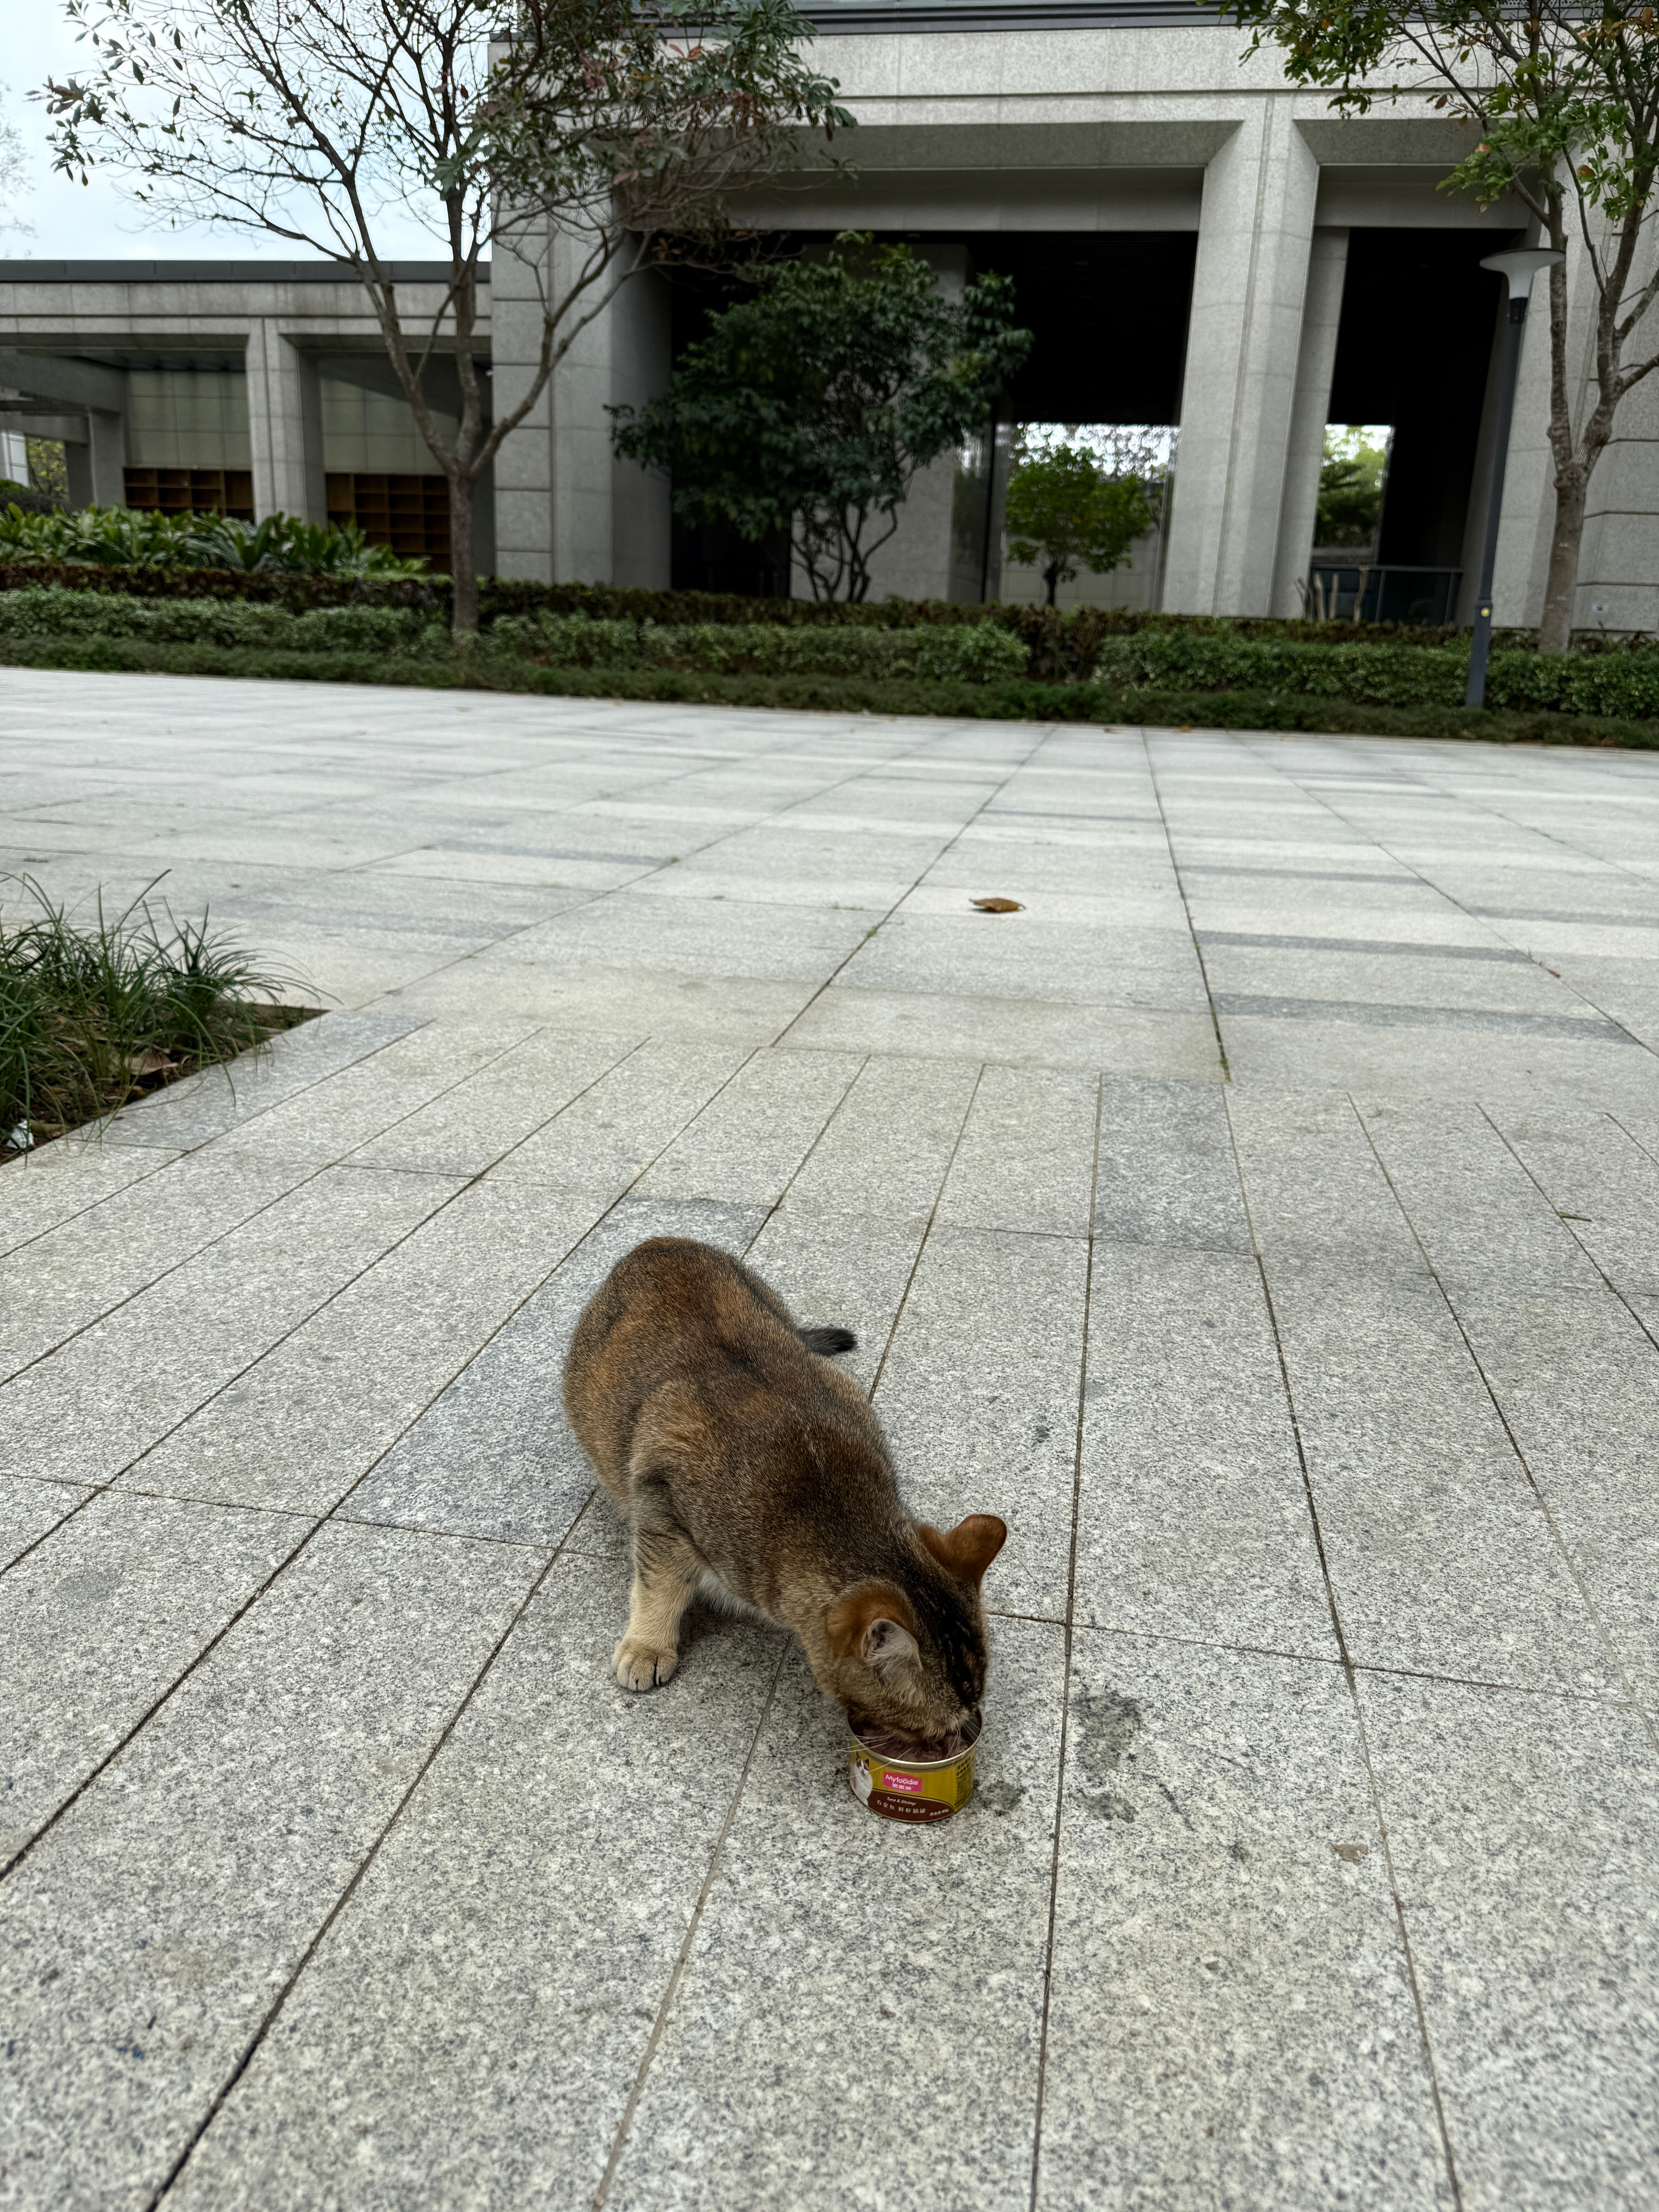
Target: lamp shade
[(1521, 265)]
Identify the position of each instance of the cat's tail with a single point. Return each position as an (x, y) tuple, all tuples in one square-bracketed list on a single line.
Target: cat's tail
[(829, 1341)]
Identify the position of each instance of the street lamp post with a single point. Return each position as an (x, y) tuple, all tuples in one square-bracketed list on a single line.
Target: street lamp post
[(1518, 269)]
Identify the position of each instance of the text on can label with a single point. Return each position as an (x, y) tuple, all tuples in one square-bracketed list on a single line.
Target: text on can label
[(912, 1781)]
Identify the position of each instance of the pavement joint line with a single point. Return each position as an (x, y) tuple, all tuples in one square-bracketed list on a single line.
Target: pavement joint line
[(683, 1960), (25, 1159), (1615, 1657), (1569, 1221), (1350, 1675), (1067, 1636), (217, 2104), (948, 845), (106, 1313), (921, 1245), (1382, 845), (1187, 907)]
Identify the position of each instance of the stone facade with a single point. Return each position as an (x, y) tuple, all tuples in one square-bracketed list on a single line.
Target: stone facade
[(1299, 232)]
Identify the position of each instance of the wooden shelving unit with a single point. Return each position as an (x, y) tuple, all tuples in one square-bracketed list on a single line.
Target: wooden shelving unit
[(408, 513), (193, 491)]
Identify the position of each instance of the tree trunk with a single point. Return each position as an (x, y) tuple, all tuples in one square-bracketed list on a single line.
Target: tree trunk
[(1555, 631), (1051, 578), (463, 568)]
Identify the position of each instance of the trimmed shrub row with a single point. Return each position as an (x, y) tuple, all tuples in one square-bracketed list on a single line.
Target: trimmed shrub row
[(1622, 686), (1061, 642), (1001, 701)]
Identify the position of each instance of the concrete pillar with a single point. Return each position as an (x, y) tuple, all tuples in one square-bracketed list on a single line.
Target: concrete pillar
[(284, 421), (1327, 268), (1244, 340), (642, 361), (1617, 564), (107, 444), (1529, 524), (524, 465)]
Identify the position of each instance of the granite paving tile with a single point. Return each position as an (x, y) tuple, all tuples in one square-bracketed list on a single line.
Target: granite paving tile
[(482, 1119), (1025, 1160), (1477, 1212), (41, 1190), (89, 1409), (1524, 1833), (1314, 1187), (1438, 1550), (980, 1399), (1577, 1378), (474, 2019), (364, 1102), (1193, 1519), (1166, 1173), (28, 1509), (1492, 1066), (99, 1621), (606, 1138), (203, 1106), (1028, 956), (847, 1269), (1231, 2020), (311, 1418), (827, 1933), (743, 1009), (494, 1455), (146, 1937), (752, 1136), (1602, 1183), (888, 1149), (1138, 1040), (96, 1261)]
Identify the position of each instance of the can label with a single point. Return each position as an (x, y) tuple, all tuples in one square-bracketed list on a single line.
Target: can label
[(897, 1792)]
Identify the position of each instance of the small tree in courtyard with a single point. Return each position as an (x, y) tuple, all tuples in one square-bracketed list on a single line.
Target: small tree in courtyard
[(1351, 482), (811, 405), (1565, 98), (1068, 509), (598, 128)]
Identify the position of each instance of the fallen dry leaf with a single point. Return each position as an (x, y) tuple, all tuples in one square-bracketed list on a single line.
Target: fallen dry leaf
[(998, 906), (148, 1063)]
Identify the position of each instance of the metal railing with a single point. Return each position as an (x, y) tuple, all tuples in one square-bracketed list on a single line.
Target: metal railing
[(1360, 592)]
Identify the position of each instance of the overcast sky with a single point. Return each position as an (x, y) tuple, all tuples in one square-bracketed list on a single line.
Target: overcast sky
[(101, 222)]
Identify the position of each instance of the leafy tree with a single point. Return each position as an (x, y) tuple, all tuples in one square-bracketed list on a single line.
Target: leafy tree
[(810, 405), (595, 130), (14, 179), (1350, 487), (1566, 97), (1069, 510)]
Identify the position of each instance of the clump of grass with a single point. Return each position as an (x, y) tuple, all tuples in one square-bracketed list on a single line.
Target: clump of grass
[(95, 1011)]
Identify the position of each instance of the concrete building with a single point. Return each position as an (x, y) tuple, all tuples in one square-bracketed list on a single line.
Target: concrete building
[(1195, 244)]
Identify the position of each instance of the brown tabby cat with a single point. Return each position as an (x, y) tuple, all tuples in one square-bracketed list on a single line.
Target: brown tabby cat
[(753, 1471)]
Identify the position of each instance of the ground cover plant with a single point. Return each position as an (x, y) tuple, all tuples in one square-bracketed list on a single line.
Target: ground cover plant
[(135, 538), (96, 1010)]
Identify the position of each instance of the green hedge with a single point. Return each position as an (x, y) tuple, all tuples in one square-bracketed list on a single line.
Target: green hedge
[(1623, 686), (1001, 701)]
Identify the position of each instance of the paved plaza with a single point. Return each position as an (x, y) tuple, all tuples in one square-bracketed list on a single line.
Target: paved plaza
[(1264, 1221)]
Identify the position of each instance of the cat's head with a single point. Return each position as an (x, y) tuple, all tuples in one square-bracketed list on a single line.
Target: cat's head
[(911, 1653)]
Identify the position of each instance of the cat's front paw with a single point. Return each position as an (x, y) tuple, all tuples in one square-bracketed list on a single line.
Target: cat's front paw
[(640, 1666)]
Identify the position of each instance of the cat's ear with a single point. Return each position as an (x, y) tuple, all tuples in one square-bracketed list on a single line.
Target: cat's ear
[(968, 1549), (873, 1623)]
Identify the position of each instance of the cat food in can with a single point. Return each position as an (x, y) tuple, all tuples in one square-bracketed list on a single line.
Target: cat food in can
[(899, 1786)]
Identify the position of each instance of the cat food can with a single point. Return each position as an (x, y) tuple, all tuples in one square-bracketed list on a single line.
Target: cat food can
[(909, 1789)]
